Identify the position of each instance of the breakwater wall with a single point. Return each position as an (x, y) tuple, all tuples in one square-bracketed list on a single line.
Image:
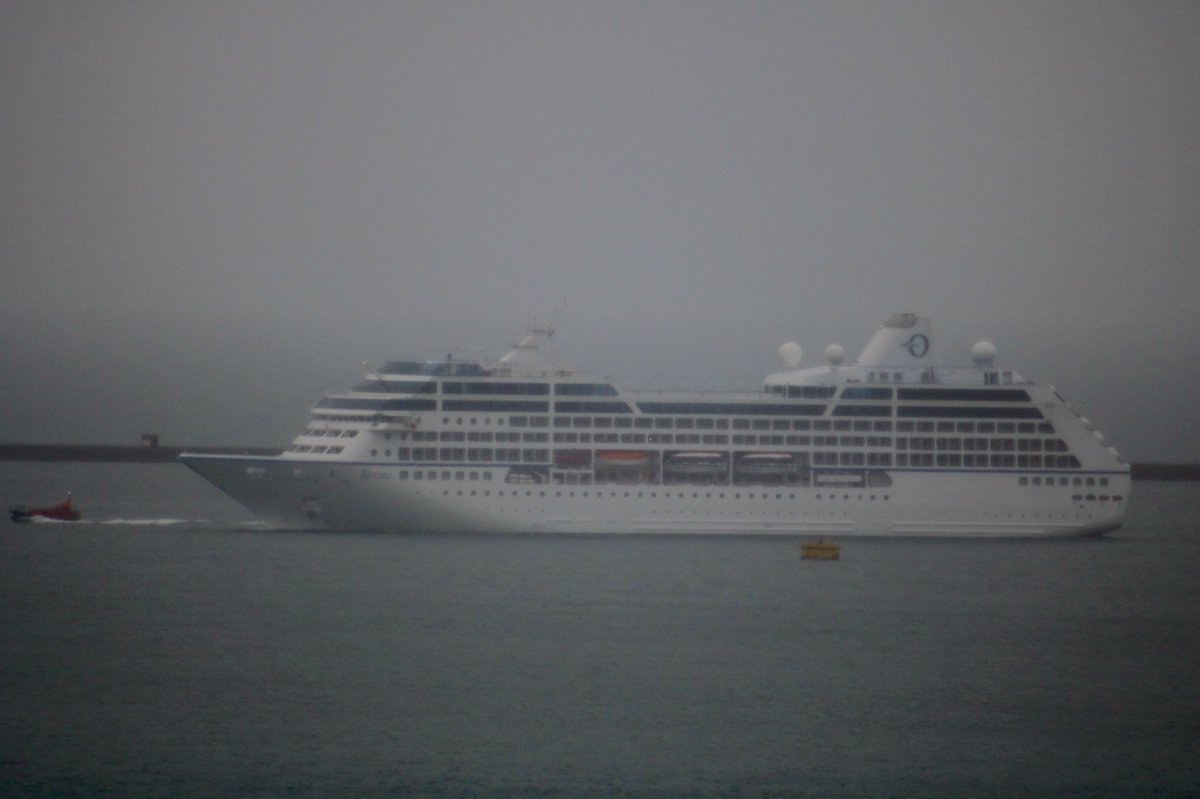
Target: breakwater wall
[(1165, 471), (101, 453)]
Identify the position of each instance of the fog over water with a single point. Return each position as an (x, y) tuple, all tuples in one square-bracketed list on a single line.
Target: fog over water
[(213, 212)]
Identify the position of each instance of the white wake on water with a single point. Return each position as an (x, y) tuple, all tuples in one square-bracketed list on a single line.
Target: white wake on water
[(153, 521)]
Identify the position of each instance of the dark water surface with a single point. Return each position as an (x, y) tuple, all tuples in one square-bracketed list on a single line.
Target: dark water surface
[(167, 648)]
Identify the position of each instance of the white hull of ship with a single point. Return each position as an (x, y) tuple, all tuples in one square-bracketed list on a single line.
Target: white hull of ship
[(356, 496)]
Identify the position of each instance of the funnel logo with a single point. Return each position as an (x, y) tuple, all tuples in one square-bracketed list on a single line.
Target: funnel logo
[(917, 346)]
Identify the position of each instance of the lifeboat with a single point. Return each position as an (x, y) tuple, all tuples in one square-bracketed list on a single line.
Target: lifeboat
[(695, 463), (766, 463), (572, 459), (64, 511), (621, 459)]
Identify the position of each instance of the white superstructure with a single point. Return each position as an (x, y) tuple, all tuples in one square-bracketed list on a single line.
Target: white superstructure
[(892, 444)]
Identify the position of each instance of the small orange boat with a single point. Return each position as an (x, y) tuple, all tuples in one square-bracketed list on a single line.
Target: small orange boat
[(64, 511)]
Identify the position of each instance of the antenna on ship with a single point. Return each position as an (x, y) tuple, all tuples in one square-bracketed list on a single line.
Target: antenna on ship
[(558, 309), (547, 330), (378, 377), (536, 332)]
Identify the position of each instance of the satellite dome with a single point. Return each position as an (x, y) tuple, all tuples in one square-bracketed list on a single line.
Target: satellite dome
[(983, 353), (835, 355), (790, 353)]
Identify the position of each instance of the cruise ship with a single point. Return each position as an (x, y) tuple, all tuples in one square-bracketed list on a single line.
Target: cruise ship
[(892, 444)]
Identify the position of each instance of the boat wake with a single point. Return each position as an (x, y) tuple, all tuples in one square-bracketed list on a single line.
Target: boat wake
[(152, 522)]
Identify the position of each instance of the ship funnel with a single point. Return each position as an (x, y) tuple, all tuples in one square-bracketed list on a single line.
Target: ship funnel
[(905, 340)]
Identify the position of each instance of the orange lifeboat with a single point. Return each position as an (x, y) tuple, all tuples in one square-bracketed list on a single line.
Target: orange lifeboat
[(622, 459)]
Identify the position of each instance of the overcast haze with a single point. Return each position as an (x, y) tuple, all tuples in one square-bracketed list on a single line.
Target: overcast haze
[(214, 211)]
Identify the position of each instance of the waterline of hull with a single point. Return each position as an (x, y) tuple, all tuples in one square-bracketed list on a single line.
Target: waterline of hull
[(329, 495)]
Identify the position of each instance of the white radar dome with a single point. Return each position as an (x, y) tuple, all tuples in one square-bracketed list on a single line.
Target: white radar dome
[(790, 353), (835, 355), (983, 353)]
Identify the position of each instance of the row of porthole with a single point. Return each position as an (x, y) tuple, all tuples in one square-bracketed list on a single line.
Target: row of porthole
[(1049, 481), (667, 495)]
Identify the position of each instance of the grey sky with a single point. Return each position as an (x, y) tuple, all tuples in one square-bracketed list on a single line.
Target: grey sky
[(212, 212)]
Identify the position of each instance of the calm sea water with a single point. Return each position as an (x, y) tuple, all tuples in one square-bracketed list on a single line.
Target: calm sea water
[(167, 648)]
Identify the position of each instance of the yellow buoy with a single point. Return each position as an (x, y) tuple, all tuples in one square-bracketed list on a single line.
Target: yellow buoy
[(820, 550)]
